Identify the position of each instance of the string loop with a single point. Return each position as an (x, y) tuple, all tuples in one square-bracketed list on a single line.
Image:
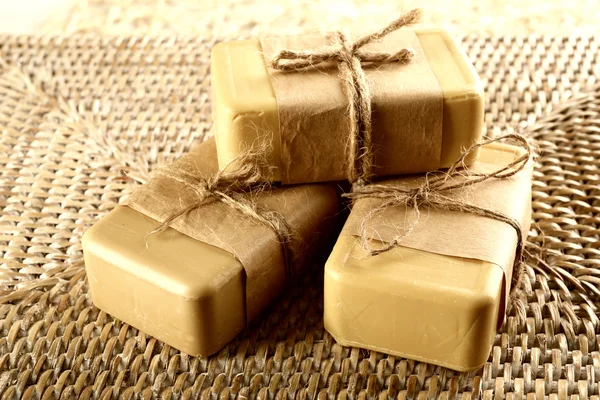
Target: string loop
[(434, 193), (350, 61), (236, 186)]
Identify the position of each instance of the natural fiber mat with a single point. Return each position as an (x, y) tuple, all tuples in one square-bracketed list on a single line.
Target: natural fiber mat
[(83, 120)]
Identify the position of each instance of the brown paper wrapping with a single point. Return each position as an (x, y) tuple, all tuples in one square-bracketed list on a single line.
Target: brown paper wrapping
[(456, 234), (254, 245), (407, 108)]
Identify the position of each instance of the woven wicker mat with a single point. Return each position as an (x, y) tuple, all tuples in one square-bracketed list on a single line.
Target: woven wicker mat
[(83, 120)]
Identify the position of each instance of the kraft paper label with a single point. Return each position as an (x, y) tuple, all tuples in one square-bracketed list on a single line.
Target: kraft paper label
[(254, 245), (451, 233), (407, 104)]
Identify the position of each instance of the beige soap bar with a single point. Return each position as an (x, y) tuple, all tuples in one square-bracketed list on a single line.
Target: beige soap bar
[(184, 292), (189, 294), (418, 304), (245, 108)]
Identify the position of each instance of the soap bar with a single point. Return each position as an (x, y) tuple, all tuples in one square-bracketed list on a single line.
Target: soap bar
[(436, 297), (302, 116), (193, 295)]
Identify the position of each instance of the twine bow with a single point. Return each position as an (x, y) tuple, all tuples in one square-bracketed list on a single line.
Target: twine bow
[(434, 193), (236, 187), (350, 60)]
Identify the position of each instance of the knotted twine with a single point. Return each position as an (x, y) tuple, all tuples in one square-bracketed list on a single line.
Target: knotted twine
[(236, 185), (350, 61), (434, 193)]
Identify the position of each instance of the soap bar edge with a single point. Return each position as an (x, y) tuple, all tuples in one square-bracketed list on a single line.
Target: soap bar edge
[(203, 291)]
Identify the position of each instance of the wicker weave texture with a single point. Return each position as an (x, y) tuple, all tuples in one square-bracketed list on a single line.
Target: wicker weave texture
[(83, 119)]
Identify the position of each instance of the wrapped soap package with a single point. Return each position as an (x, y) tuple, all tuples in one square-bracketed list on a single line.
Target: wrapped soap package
[(424, 112), (440, 294), (198, 283)]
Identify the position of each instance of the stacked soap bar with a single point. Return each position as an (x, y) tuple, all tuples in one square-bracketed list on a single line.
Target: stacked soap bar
[(195, 290), (424, 113), (440, 295)]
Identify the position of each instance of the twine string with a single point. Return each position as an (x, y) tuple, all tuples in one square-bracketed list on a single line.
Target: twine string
[(433, 193), (350, 61), (237, 188)]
